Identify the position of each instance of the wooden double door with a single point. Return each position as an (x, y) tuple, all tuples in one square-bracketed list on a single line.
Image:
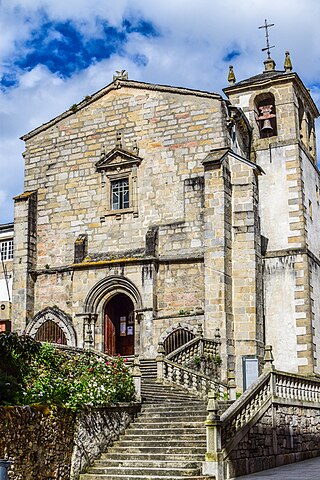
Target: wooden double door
[(119, 326)]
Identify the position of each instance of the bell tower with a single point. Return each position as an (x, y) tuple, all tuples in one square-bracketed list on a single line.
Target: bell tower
[(281, 113)]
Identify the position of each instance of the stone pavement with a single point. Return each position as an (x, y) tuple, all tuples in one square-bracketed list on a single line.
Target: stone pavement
[(307, 470)]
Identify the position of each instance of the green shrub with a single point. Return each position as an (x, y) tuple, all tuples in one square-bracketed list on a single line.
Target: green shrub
[(40, 373)]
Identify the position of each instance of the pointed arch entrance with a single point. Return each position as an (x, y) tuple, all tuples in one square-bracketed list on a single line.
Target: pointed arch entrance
[(119, 325)]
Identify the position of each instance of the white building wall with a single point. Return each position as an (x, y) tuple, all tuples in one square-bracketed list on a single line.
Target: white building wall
[(311, 182), (273, 195), (280, 328), (315, 282)]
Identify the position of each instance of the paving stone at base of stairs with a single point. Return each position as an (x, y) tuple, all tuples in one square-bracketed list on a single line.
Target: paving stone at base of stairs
[(166, 441)]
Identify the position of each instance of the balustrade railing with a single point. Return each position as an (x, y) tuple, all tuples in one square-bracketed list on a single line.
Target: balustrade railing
[(194, 382), (195, 367), (197, 347), (242, 411), (293, 387), (273, 386)]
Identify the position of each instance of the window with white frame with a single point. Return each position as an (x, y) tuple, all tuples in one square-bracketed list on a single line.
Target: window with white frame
[(120, 194), (6, 249)]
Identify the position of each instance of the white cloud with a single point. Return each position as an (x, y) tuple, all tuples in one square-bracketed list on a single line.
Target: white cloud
[(195, 37)]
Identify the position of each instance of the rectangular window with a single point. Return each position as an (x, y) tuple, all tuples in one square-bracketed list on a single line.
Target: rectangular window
[(120, 194), (6, 249)]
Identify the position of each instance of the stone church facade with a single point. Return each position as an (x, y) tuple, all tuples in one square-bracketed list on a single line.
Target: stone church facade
[(149, 209)]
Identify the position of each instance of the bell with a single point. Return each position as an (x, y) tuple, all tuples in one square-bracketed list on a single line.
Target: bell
[(266, 127)]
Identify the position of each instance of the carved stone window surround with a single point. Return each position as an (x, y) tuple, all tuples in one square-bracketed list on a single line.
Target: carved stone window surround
[(120, 164)]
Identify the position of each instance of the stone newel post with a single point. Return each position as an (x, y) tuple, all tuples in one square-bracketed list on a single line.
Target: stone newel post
[(160, 363), (268, 359), (231, 386), (213, 466), (136, 374)]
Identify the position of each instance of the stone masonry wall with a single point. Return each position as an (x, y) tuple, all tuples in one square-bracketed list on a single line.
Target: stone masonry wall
[(283, 435), (173, 133), (173, 130), (39, 442), (56, 444)]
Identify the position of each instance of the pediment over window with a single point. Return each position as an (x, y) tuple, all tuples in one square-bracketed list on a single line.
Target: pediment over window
[(118, 159)]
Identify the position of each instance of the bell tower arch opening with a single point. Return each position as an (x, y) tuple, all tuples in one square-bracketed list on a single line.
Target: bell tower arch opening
[(119, 325)]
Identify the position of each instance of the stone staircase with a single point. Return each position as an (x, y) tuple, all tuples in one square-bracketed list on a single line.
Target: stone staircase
[(166, 441)]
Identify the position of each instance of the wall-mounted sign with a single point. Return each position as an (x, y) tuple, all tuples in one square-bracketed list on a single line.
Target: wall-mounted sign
[(123, 326), (130, 330)]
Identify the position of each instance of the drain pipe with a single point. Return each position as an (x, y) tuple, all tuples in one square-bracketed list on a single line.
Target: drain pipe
[(4, 465)]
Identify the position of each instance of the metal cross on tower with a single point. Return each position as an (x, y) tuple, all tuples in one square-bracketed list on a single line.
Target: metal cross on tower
[(266, 26)]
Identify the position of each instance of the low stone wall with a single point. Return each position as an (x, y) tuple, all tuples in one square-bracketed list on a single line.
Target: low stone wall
[(56, 444), (95, 430), (284, 434)]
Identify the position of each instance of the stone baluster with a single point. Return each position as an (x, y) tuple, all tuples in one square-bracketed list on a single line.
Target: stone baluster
[(178, 376), (194, 382), (317, 396), (312, 395), (204, 387), (213, 465), (281, 387), (160, 362), (136, 374), (186, 380)]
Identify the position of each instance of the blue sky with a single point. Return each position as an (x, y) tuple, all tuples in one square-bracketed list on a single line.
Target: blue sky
[(53, 53)]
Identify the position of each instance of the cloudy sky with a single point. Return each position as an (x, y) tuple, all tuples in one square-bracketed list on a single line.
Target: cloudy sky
[(55, 52)]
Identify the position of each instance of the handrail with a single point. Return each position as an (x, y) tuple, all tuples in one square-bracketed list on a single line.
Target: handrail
[(198, 346), (273, 388), (182, 348), (195, 382), (273, 385)]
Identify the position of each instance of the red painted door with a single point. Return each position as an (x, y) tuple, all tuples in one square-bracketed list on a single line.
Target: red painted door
[(109, 334), (119, 326)]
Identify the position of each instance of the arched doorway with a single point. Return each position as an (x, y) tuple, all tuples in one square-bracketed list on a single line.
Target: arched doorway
[(119, 326), (54, 326)]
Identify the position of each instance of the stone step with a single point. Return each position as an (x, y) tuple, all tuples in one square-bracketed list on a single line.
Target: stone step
[(157, 400), (185, 449), (160, 416), (164, 391), (160, 443), (137, 462), (164, 437), (185, 407), (186, 420), (89, 476), (146, 471), (152, 457), (174, 411), (170, 398), (133, 430), (166, 441)]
